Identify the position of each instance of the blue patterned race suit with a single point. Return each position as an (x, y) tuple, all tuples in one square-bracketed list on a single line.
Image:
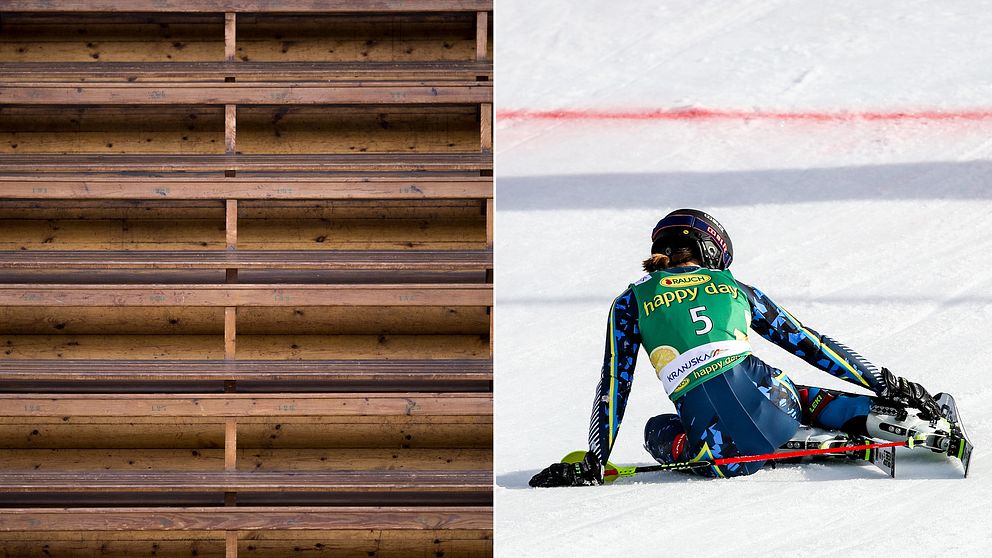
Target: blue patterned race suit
[(751, 409)]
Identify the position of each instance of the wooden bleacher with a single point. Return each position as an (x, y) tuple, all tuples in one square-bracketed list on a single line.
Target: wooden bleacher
[(460, 72), (246, 278)]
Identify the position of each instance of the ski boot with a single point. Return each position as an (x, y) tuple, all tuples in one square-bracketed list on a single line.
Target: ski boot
[(812, 437), (893, 422)]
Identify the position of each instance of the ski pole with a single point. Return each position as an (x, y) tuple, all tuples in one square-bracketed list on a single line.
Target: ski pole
[(683, 465)]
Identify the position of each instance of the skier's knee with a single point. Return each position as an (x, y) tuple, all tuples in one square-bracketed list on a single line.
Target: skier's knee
[(664, 437)]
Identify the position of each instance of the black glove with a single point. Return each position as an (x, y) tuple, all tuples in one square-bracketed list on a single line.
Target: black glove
[(909, 393), (585, 472)]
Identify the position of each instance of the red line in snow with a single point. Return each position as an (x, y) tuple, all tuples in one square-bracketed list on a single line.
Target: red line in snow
[(723, 114)]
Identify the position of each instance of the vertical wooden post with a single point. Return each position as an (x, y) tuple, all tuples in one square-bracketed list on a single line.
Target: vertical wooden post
[(231, 545), (486, 127), (230, 333), (231, 445), (231, 230), (231, 224), (489, 222), (230, 129), (489, 272), (485, 141), (481, 35), (230, 42)]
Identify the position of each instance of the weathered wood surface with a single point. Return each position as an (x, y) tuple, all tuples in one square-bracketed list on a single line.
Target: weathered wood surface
[(175, 188), (254, 347), (245, 405), (374, 162), (408, 260), (246, 295), (249, 459), (244, 518), (372, 71), (242, 481), (244, 93), (413, 371), (258, 6)]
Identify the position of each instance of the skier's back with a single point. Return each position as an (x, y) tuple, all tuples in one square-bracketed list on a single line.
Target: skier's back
[(692, 316)]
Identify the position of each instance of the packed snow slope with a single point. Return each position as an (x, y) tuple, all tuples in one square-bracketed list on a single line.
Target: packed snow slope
[(876, 232)]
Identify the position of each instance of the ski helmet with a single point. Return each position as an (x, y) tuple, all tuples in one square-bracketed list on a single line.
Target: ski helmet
[(706, 232)]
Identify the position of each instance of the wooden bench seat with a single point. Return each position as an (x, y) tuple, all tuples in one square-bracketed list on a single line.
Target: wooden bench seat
[(318, 187), (227, 295), (477, 482), (248, 93), (371, 71), (337, 162), (386, 260), (250, 518), (425, 373), (260, 6), (220, 406)]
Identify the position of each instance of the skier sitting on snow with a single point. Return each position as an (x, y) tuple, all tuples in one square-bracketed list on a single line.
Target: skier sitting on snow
[(692, 317)]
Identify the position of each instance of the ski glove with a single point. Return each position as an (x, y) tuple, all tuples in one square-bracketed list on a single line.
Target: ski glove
[(585, 472), (909, 393)]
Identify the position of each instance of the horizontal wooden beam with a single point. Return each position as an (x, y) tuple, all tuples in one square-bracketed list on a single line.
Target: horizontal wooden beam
[(216, 405), (245, 295), (247, 518), (259, 6), (337, 162), (370, 71), (385, 260), (255, 481), (244, 93), (317, 188), (372, 371)]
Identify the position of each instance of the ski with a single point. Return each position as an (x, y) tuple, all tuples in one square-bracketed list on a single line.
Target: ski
[(613, 472), (958, 445), (883, 458)]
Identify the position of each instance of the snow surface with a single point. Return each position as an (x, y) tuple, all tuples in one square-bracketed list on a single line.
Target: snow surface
[(874, 232)]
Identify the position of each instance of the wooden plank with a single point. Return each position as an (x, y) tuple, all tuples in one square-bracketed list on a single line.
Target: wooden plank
[(245, 295), (231, 224), (393, 260), (230, 129), (231, 544), (287, 188), (257, 347), (231, 445), (246, 518), (244, 405), (263, 544), (252, 459), (72, 321), (262, 6), (481, 35), (489, 222), (486, 127), (366, 71), (230, 331), (371, 371), (230, 36), (358, 162), (250, 93), (393, 536), (230, 480), (231, 228), (193, 435)]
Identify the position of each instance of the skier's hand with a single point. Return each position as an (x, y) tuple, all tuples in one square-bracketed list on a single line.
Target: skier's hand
[(585, 472), (911, 393)]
